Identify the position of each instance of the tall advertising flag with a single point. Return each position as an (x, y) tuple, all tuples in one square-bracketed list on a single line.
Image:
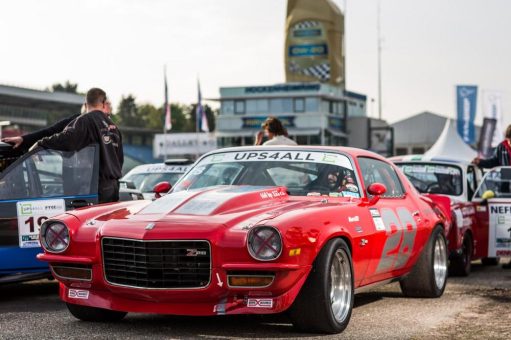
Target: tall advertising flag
[(166, 108), (466, 101), (493, 110), (200, 114)]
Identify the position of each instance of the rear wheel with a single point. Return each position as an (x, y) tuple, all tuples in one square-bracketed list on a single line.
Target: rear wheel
[(490, 261), (461, 264), (86, 313), (429, 275), (325, 301)]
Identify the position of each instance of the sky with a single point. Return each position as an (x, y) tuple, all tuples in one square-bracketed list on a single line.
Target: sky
[(122, 45)]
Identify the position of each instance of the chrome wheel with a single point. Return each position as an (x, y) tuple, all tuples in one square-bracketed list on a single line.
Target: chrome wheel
[(440, 262), (340, 285)]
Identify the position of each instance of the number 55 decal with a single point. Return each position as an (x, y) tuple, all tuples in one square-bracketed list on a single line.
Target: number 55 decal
[(401, 230)]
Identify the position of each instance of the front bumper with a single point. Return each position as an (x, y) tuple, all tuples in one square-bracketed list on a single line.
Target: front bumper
[(216, 298)]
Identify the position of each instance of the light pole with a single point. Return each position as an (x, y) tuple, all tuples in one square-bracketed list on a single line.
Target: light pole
[(379, 60)]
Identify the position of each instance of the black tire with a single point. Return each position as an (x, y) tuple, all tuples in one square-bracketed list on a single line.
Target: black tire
[(94, 314), (312, 311), (421, 281), (461, 264)]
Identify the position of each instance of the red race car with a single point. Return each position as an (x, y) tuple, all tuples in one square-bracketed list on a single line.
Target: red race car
[(254, 230)]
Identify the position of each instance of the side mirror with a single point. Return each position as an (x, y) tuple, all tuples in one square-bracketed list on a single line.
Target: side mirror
[(161, 189), (376, 189)]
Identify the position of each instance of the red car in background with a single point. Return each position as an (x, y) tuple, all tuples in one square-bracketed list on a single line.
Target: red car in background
[(458, 180), (255, 230)]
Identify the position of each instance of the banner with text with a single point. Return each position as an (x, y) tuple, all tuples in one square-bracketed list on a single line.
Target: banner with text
[(165, 145), (466, 101), (493, 110)]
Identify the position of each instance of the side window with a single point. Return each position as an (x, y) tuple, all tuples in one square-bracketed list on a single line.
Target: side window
[(376, 171), (50, 173)]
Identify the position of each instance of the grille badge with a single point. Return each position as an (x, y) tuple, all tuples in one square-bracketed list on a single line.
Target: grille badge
[(150, 226)]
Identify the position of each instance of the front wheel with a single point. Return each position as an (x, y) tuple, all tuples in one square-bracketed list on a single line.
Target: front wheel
[(325, 301), (94, 314), (429, 275)]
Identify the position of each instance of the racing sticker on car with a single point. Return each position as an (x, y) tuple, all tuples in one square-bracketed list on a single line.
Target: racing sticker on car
[(78, 294), (401, 231), (260, 303), (31, 215), (378, 222), (500, 230), (280, 156)]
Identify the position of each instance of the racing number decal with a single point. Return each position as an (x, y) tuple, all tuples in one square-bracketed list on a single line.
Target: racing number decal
[(401, 230), (30, 222)]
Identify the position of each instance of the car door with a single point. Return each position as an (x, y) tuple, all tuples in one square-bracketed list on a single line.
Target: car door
[(39, 185), (396, 218)]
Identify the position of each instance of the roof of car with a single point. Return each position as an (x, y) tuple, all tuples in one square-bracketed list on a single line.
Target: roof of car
[(355, 152), (159, 168), (422, 158)]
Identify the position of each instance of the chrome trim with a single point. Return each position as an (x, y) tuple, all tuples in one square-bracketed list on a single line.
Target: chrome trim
[(71, 278), (148, 288), (265, 226), (250, 287)]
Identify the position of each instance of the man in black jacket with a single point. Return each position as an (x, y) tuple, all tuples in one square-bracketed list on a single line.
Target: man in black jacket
[(94, 127)]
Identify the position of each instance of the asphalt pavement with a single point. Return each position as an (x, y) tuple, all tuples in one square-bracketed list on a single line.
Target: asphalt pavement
[(475, 307)]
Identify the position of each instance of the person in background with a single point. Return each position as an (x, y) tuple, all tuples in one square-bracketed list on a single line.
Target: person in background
[(501, 156), (27, 140), (276, 133), (94, 127)]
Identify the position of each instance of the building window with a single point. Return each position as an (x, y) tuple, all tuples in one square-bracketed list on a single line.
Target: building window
[(227, 107), (299, 105), (251, 106), (239, 106), (281, 105), (311, 104), (401, 151), (418, 150)]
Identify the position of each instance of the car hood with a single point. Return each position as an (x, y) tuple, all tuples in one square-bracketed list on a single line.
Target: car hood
[(197, 212)]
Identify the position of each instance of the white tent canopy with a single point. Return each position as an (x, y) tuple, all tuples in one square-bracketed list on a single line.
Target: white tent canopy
[(450, 145)]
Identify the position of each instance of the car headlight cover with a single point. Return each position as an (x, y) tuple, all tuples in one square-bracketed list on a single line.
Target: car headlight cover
[(54, 236), (264, 243)]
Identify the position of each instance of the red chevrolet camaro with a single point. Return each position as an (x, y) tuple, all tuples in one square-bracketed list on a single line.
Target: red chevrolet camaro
[(255, 230)]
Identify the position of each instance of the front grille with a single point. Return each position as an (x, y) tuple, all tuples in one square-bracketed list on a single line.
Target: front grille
[(157, 264)]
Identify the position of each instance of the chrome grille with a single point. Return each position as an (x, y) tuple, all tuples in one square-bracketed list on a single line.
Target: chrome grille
[(157, 264)]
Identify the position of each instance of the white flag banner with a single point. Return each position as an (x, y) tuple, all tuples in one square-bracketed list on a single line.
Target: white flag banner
[(493, 109)]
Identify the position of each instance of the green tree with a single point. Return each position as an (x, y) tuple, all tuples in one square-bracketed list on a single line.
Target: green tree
[(67, 87), (128, 112), (151, 116)]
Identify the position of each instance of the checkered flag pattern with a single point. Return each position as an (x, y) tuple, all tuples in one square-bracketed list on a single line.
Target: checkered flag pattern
[(321, 71), (306, 24)]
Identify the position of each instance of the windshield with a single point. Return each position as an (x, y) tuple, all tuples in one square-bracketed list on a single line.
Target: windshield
[(498, 181), (302, 172), (434, 178), (145, 182)]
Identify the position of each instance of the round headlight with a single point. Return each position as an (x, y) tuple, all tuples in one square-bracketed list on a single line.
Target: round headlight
[(264, 243), (54, 236)]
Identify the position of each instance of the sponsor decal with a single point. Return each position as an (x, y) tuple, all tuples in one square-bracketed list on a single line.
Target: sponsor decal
[(374, 212), (499, 237), (78, 294), (260, 303), (150, 226), (335, 194), (195, 252), (353, 219), (459, 218), (272, 194), (378, 223), (31, 215), (280, 156), (314, 194), (350, 194), (481, 208)]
